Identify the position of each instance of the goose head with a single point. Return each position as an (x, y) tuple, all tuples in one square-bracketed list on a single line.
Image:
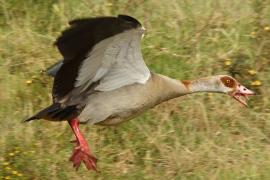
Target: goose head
[(233, 88)]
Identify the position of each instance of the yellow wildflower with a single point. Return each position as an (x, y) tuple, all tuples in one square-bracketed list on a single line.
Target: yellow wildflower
[(252, 72), (11, 154), (17, 151), (266, 28), (7, 177), (253, 34), (19, 174), (28, 82), (256, 83), (5, 163), (109, 4), (14, 172), (7, 168), (228, 62)]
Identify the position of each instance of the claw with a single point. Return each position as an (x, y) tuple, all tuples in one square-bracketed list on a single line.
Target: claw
[(80, 155)]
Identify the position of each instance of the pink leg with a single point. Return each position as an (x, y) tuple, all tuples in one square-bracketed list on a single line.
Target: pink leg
[(81, 151)]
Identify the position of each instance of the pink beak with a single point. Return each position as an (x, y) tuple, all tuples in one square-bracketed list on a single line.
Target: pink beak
[(241, 94)]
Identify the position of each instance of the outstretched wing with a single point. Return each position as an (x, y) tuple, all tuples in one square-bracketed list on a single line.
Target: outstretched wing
[(104, 51)]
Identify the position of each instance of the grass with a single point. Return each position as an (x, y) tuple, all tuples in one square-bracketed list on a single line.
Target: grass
[(200, 136)]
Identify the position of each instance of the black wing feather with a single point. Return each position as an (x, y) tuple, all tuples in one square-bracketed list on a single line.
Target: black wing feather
[(56, 113)]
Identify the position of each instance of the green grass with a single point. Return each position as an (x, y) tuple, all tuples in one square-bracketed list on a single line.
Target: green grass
[(200, 136)]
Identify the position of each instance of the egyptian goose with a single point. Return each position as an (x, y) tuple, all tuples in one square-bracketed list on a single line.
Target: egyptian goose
[(103, 79)]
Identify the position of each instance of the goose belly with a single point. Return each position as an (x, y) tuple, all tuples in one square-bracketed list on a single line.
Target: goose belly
[(112, 112), (110, 108), (110, 121)]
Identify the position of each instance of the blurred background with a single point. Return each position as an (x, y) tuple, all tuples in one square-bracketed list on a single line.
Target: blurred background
[(199, 136)]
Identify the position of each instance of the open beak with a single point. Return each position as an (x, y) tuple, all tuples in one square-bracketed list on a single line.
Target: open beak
[(241, 94)]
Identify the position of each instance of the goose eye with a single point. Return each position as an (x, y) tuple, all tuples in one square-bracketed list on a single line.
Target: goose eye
[(228, 82)]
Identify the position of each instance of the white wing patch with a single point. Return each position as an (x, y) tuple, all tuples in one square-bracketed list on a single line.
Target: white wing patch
[(115, 62)]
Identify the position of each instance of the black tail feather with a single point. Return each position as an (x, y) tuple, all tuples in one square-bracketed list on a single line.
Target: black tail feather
[(56, 113)]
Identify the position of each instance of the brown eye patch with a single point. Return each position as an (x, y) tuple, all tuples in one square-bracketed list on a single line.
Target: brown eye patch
[(228, 81)]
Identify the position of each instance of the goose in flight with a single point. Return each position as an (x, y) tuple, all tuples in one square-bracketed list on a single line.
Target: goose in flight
[(104, 80)]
